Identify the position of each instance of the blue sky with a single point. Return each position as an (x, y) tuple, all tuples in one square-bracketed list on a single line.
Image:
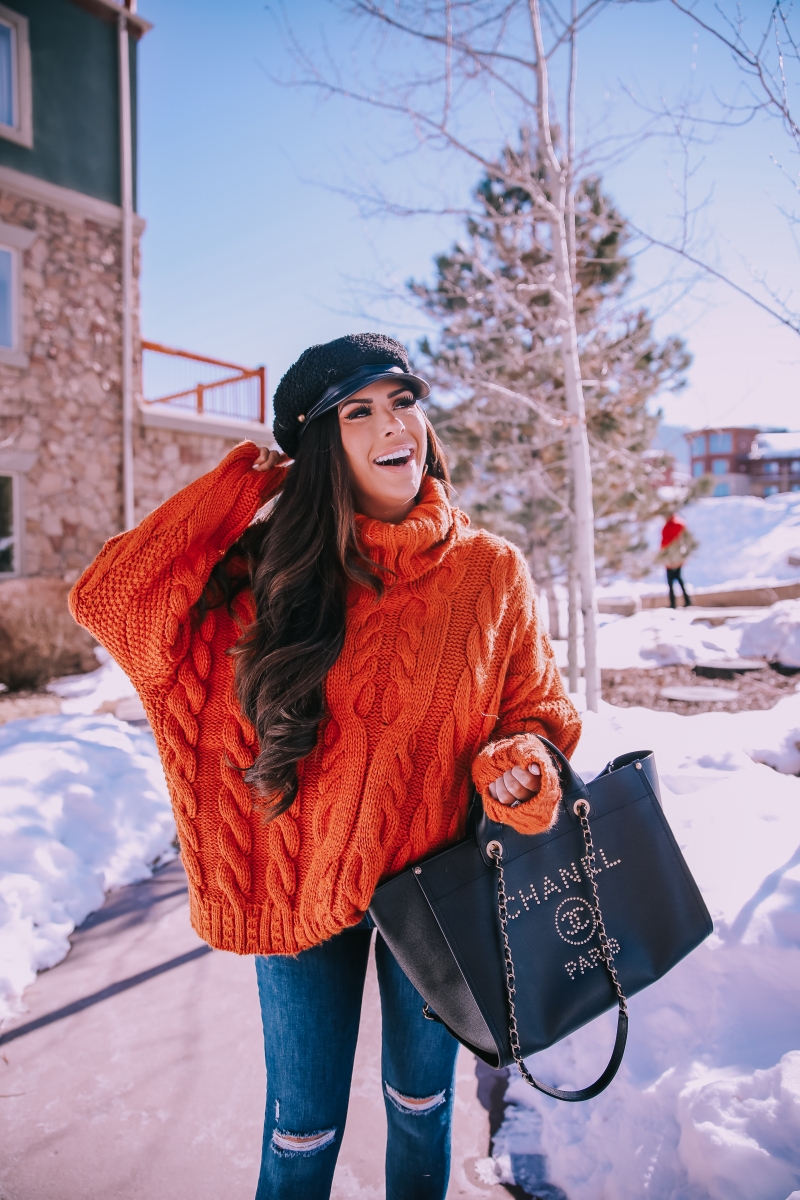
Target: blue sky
[(252, 254)]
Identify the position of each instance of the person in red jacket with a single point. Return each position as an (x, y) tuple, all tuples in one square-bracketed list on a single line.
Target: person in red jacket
[(677, 544), (325, 684)]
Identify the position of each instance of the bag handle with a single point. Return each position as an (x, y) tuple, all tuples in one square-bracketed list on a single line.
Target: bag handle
[(581, 809), (572, 786)]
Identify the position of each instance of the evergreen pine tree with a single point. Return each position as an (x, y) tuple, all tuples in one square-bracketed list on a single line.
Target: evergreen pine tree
[(497, 355)]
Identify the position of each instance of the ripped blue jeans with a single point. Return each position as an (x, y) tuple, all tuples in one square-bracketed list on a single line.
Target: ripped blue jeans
[(310, 1007)]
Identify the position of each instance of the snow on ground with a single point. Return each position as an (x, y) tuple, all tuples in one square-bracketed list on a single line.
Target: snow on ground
[(87, 693), (707, 1103), (83, 808), (775, 636), (661, 637), (744, 542)]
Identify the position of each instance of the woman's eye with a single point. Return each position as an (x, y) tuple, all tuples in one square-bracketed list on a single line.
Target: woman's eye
[(363, 410), (406, 402)]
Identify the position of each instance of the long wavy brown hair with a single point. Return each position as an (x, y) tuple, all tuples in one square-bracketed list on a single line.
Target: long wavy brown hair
[(298, 562)]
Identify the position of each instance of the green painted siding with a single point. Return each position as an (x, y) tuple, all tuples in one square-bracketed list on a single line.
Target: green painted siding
[(75, 100)]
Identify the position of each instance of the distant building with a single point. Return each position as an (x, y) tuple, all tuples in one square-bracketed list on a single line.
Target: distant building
[(723, 454), (746, 461), (85, 450), (775, 463)]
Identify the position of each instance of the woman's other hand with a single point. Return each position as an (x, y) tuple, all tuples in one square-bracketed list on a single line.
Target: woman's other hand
[(267, 459), (517, 785)]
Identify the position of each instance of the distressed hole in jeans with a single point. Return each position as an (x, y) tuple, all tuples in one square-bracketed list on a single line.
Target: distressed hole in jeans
[(301, 1143), (414, 1104)]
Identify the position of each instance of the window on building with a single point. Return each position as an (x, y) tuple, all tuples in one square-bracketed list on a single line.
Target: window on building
[(698, 469), (771, 489), (7, 56), (16, 112), (795, 487), (795, 467), (722, 489), (14, 241), (7, 297), (8, 517), (699, 444), (720, 443), (771, 468), (720, 466)]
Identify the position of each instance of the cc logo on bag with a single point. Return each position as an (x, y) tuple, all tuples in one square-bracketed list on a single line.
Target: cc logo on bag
[(575, 921)]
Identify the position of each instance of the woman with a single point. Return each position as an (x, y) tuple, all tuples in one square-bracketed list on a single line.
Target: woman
[(677, 543), (322, 684)]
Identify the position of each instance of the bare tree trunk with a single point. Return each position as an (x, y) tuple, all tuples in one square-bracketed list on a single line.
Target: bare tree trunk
[(558, 180), (573, 668), (553, 609), (570, 164), (582, 473)]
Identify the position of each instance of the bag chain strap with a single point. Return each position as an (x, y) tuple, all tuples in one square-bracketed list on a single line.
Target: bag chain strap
[(582, 812)]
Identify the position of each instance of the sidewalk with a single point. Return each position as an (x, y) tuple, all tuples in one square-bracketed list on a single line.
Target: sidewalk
[(137, 1071)]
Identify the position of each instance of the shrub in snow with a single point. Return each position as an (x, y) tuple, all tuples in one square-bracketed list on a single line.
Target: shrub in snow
[(83, 808), (38, 637)]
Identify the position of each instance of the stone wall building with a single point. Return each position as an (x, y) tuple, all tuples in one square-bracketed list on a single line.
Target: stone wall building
[(82, 454)]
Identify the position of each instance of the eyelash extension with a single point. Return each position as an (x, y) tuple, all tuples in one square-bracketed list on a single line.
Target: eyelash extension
[(365, 410)]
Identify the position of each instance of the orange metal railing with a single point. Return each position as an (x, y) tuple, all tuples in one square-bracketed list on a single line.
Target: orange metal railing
[(202, 384)]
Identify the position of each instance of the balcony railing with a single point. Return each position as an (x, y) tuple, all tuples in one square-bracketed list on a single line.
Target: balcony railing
[(201, 384)]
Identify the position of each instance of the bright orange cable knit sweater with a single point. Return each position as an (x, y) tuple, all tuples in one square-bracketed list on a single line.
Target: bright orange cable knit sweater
[(449, 672)]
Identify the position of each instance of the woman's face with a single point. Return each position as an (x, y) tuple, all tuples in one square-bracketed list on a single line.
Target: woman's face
[(385, 440)]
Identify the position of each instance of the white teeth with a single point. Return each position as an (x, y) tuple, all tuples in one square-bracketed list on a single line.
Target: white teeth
[(399, 457)]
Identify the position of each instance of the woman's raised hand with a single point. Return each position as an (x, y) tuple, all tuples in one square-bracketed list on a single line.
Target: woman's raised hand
[(267, 459), (517, 785)]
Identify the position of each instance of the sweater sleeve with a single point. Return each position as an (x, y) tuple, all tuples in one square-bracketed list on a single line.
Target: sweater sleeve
[(533, 702), (137, 595)]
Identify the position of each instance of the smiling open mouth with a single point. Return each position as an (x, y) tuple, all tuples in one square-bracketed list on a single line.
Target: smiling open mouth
[(396, 458)]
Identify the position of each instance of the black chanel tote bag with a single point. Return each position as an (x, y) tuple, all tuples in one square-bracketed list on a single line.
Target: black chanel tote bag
[(515, 941)]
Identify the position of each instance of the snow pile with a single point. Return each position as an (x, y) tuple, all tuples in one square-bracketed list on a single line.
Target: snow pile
[(98, 689), (744, 542), (775, 636), (660, 637), (707, 1103), (83, 808)]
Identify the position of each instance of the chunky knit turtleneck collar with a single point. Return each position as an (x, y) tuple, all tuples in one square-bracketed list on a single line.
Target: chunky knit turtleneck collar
[(420, 542)]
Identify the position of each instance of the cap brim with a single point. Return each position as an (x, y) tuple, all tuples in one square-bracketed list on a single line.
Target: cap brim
[(362, 378)]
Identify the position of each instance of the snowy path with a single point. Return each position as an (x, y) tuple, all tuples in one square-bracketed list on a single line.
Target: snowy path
[(156, 1087)]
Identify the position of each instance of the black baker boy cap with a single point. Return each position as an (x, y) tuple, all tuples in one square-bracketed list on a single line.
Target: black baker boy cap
[(325, 375)]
